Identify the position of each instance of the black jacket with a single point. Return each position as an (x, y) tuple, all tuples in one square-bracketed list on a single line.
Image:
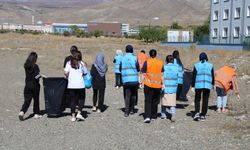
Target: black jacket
[(98, 82), (32, 76)]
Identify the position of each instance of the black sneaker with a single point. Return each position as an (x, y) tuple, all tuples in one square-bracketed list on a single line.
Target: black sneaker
[(147, 120), (202, 118), (126, 114), (132, 111), (197, 117)]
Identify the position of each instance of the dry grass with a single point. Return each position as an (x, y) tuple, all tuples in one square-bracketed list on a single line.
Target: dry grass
[(55, 48)]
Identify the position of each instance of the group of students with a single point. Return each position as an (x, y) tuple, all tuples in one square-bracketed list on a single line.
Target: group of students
[(162, 82)]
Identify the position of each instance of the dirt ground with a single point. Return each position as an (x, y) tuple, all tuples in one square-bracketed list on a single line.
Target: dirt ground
[(110, 130)]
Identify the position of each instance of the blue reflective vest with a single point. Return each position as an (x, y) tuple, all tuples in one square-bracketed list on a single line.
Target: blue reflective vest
[(129, 71), (180, 72), (170, 78), (204, 75), (118, 59)]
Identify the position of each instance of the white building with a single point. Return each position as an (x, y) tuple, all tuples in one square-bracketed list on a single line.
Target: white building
[(13, 27), (180, 36), (38, 28), (125, 29)]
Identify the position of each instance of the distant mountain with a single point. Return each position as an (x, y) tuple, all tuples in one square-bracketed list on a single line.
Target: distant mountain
[(135, 12), (55, 3)]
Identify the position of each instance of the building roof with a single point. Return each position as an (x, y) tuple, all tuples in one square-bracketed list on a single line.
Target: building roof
[(103, 22), (68, 24)]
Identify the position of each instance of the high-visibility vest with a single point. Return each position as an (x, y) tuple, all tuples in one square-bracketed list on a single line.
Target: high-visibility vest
[(204, 75), (180, 72), (170, 78), (129, 71), (118, 59), (153, 76), (224, 76), (141, 59)]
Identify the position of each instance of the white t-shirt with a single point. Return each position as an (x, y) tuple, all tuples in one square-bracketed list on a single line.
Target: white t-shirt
[(75, 78)]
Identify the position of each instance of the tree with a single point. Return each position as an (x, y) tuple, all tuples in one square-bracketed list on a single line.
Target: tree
[(97, 33), (202, 30), (152, 34), (175, 25), (74, 29), (66, 33)]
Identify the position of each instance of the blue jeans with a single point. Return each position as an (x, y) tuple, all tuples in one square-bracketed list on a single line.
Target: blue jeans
[(164, 111), (221, 101)]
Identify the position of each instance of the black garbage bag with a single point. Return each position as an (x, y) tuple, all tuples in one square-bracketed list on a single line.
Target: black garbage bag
[(55, 95), (187, 81)]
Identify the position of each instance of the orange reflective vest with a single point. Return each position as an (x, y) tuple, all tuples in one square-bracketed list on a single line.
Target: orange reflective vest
[(153, 76), (141, 59), (224, 76)]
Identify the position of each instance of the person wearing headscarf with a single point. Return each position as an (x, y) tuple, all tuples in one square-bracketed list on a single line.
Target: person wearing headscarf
[(117, 62), (203, 82), (98, 72), (129, 68)]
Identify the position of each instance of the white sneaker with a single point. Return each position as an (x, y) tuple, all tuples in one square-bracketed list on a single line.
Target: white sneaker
[(98, 111), (117, 87), (147, 120), (173, 119), (36, 116), (93, 109), (73, 119), (80, 117), (21, 116)]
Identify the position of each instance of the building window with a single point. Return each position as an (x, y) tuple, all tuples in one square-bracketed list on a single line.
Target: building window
[(216, 15), (216, 1), (226, 0), (215, 33), (236, 32), (225, 32), (237, 13), (248, 11), (226, 14), (248, 31)]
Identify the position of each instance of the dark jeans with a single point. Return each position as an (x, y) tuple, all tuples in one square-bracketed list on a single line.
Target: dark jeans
[(136, 99), (152, 99), (29, 93), (118, 79), (77, 95), (205, 96), (178, 92), (130, 98), (221, 92), (100, 93)]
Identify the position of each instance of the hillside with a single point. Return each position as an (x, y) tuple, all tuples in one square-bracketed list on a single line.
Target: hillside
[(135, 12)]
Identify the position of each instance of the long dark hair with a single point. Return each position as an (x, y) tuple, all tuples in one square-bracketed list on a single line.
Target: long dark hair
[(31, 60), (73, 49), (76, 57), (176, 56), (169, 59)]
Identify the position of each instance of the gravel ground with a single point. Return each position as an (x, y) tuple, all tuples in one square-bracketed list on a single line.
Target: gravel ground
[(107, 130)]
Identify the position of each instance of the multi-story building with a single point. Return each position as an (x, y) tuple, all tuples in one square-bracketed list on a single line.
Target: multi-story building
[(62, 27), (125, 29), (230, 21), (108, 28)]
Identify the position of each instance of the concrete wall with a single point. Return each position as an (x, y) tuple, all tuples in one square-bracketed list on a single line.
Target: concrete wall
[(246, 20), (242, 22)]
